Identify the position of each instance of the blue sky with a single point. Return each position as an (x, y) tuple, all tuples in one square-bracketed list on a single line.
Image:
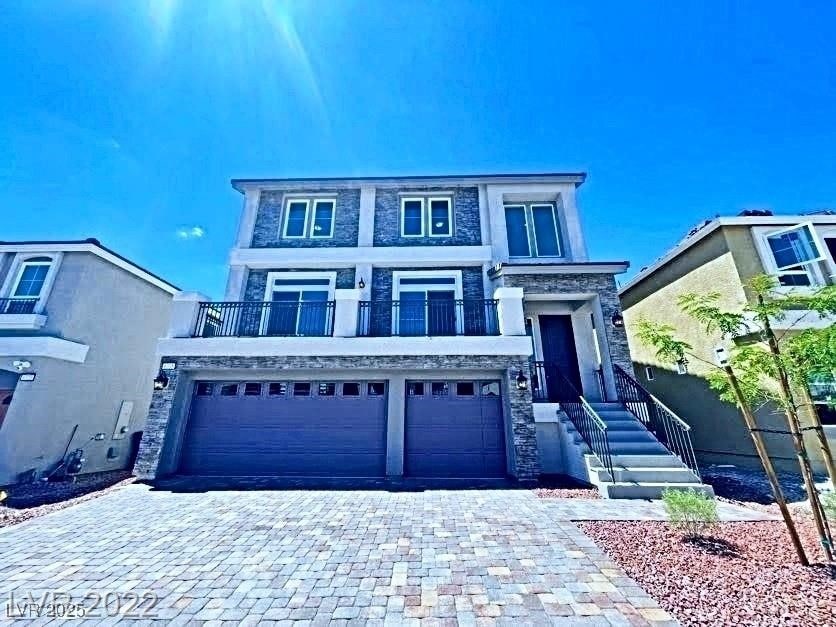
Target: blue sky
[(126, 120)]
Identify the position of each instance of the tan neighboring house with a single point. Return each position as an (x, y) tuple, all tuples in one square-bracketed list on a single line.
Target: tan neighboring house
[(78, 329), (722, 255)]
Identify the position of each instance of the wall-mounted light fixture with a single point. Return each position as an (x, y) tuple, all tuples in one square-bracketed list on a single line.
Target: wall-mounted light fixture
[(361, 284), (161, 381), (617, 320), (522, 381)]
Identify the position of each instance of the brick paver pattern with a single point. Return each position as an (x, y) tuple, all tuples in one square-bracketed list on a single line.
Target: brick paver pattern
[(327, 557)]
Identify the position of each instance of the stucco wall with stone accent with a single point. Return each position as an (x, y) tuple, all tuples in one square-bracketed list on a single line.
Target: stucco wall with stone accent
[(466, 226), (601, 284), (257, 280), (270, 215), (166, 418)]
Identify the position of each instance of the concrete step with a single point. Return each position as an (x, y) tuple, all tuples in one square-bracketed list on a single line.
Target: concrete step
[(612, 414), (631, 436), (665, 460), (650, 447), (607, 406), (626, 490), (659, 474), (624, 425)]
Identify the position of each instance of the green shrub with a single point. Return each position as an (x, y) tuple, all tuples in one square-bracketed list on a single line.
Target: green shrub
[(828, 502), (689, 511)]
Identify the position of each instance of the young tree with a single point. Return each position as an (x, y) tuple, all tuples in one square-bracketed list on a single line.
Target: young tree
[(766, 368)]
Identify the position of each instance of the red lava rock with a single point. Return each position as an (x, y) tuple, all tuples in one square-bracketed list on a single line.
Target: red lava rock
[(746, 573), (36, 499)]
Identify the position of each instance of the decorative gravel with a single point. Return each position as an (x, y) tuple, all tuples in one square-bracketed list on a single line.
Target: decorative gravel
[(745, 574), (42, 497)]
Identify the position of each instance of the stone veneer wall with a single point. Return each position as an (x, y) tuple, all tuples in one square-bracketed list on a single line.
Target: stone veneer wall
[(257, 280), (466, 225), (157, 442), (601, 284), (269, 220)]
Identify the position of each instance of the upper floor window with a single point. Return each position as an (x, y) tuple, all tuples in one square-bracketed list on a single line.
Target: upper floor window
[(793, 250), (533, 230), (426, 216), (306, 217), (28, 286)]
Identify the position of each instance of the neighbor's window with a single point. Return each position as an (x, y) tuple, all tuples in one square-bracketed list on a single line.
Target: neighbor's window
[(533, 230), (309, 218), (432, 216), (792, 250)]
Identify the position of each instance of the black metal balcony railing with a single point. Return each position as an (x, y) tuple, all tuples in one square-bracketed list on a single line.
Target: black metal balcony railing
[(663, 423), (411, 318), (550, 384), (265, 319), (17, 305)]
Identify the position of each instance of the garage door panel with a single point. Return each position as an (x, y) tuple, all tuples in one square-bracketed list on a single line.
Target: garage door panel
[(285, 435), (454, 436)]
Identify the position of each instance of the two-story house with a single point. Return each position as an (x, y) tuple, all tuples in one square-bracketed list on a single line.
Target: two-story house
[(390, 327), (78, 328), (722, 255)]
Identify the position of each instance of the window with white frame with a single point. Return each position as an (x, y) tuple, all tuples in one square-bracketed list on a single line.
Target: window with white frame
[(309, 218), (426, 303), (533, 230), (28, 286), (423, 216), (301, 303), (793, 251)]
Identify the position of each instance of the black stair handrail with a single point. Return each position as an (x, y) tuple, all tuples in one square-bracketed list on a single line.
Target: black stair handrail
[(586, 420), (671, 431)]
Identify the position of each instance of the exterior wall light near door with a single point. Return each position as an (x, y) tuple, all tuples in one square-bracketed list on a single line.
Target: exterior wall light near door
[(161, 381), (361, 284), (617, 320), (522, 381)]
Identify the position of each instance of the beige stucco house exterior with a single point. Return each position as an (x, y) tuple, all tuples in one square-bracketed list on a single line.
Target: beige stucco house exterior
[(78, 329), (722, 255)]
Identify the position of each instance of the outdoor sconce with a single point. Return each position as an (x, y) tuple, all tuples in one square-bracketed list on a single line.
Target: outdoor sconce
[(161, 381), (361, 284), (682, 366), (522, 381), (617, 320)]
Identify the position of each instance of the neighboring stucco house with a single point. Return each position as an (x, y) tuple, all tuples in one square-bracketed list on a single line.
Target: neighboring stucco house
[(383, 327), (78, 329), (722, 255)]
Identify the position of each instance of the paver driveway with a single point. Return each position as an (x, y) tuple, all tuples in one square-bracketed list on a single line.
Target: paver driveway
[(466, 556)]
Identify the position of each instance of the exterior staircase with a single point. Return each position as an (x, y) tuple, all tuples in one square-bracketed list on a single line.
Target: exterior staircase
[(641, 466)]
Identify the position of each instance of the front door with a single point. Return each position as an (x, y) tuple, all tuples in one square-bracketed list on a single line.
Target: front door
[(560, 359)]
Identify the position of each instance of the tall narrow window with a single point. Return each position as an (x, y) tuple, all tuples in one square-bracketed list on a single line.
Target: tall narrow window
[(28, 286), (412, 217), (545, 231), (440, 223), (297, 216), (323, 221), (517, 228), (792, 250)]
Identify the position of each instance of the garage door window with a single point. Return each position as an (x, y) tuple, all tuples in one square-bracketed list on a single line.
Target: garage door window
[(351, 389), (376, 389), (204, 389), (415, 388), (327, 389), (229, 389), (465, 388), (440, 388), (277, 389), (490, 389), (301, 388), (252, 389)]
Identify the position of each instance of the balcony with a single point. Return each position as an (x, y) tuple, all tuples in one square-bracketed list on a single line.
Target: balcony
[(347, 326), (265, 319), (432, 318), (21, 314)]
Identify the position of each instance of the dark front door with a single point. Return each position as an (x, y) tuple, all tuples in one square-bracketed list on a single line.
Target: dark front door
[(560, 359), (454, 429), (288, 428)]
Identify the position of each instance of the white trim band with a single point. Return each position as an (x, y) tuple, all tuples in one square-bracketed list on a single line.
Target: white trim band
[(52, 347), (347, 257)]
